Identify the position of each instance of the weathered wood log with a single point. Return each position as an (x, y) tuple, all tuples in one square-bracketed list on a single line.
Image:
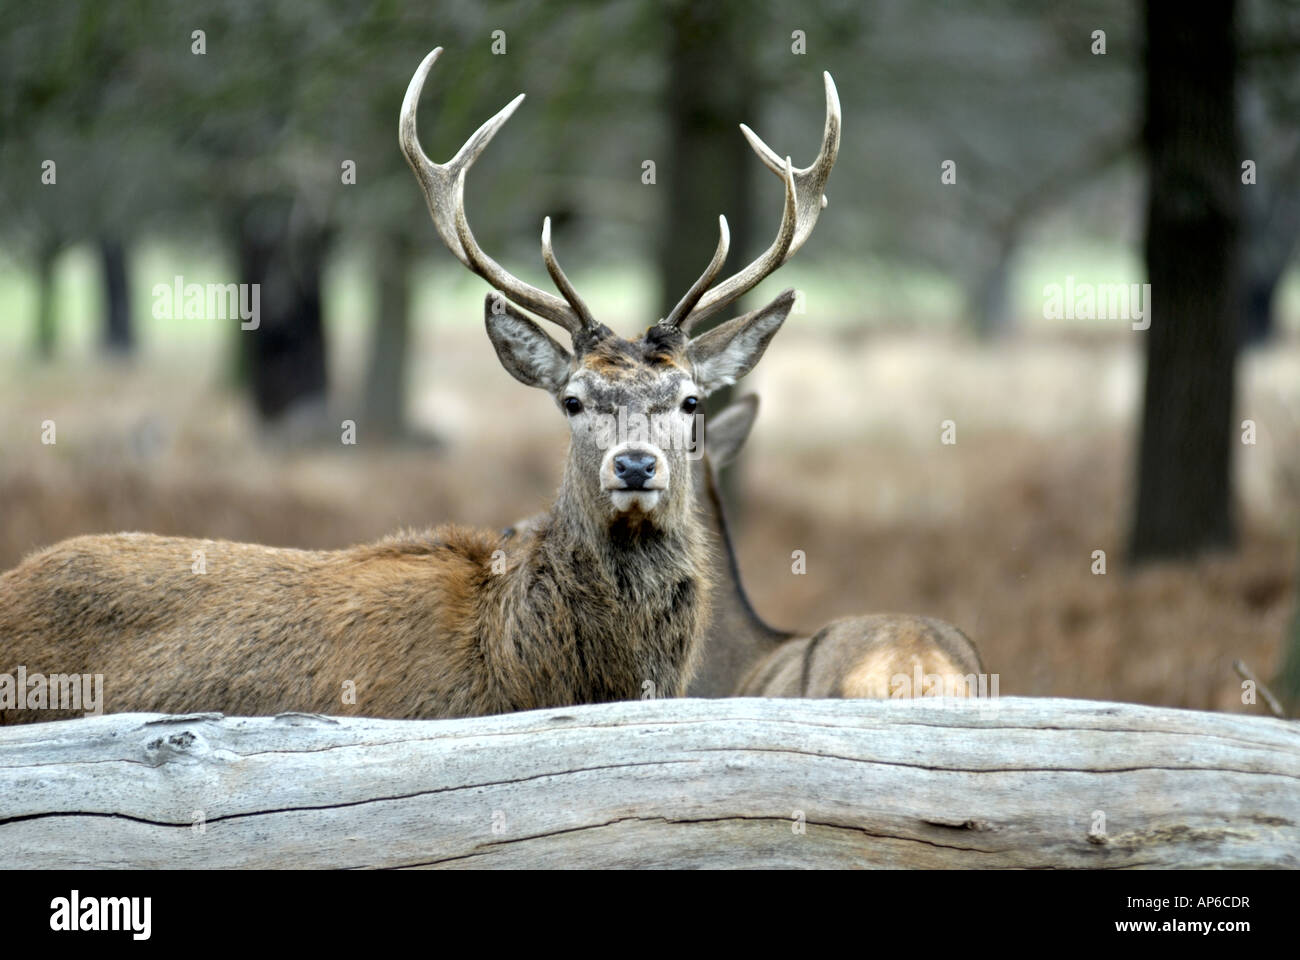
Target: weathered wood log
[(668, 783)]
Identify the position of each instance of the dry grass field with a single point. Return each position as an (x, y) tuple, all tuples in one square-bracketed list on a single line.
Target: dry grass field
[(995, 532)]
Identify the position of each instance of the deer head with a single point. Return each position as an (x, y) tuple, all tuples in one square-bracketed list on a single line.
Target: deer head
[(654, 383)]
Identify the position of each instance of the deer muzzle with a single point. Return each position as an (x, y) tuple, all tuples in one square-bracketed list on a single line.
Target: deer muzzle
[(634, 475)]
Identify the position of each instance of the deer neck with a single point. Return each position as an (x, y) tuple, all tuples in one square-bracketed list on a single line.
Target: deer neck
[(606, 611), (737, 635)]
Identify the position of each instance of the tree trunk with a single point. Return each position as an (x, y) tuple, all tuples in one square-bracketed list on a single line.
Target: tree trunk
[(118, 335), (385, 402), (709, 169), (1287, 684), (1185, 455), (285, 354), (1257, 306), (1272, 218), (662, 783), (991, 303), (46, 325)]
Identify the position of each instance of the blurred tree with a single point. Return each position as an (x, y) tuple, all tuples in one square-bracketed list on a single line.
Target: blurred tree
[(44, 188), (118, 335), (1185, 454), (1287, 684), (46, 327), (79, 164), (385, 388), (1002, 216), (157, 142), (1270, 102), (1271, 224), (385, 211), (925, 84), (285, 354), (709, 167), (1271, 227)]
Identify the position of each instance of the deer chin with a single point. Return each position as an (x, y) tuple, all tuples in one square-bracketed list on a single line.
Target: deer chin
[(634, 501)]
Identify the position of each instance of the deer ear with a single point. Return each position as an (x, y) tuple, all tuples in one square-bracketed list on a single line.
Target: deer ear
[(525, 350), (726, 433), (729, 351)]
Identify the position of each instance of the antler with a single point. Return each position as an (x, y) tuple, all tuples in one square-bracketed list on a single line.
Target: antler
[(444, 190), (804, 201)]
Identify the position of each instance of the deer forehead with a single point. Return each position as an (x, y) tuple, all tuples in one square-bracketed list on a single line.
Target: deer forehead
[(619, 372), (649, 390), (606, 352), (602, 384)]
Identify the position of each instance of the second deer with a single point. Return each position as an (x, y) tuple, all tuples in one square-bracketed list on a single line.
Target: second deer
[(871, 656)]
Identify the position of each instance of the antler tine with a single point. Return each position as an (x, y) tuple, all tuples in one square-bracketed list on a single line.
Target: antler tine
[(804, 192), (738, 284), (687, 303), (815, 174), (560, 280), (443, 185)]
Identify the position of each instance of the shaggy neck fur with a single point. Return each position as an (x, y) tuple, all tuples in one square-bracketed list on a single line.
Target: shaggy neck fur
[(602, 607)]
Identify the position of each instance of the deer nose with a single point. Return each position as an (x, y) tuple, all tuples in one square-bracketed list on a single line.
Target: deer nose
[(634, 469)]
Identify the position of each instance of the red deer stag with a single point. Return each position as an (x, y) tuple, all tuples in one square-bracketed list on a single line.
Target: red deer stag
[(874, 656), (609, 596)]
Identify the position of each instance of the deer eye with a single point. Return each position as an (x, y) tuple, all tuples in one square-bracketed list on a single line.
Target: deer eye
[(689, 404), (572, 406)]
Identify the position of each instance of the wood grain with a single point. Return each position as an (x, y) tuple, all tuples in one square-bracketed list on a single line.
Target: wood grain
[(669, 783)]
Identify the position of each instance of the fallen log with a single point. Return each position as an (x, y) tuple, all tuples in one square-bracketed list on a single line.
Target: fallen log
[(1013, 782)]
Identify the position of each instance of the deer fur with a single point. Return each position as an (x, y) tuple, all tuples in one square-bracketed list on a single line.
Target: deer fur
[(860, 656), (600, 604), (607, 600)]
